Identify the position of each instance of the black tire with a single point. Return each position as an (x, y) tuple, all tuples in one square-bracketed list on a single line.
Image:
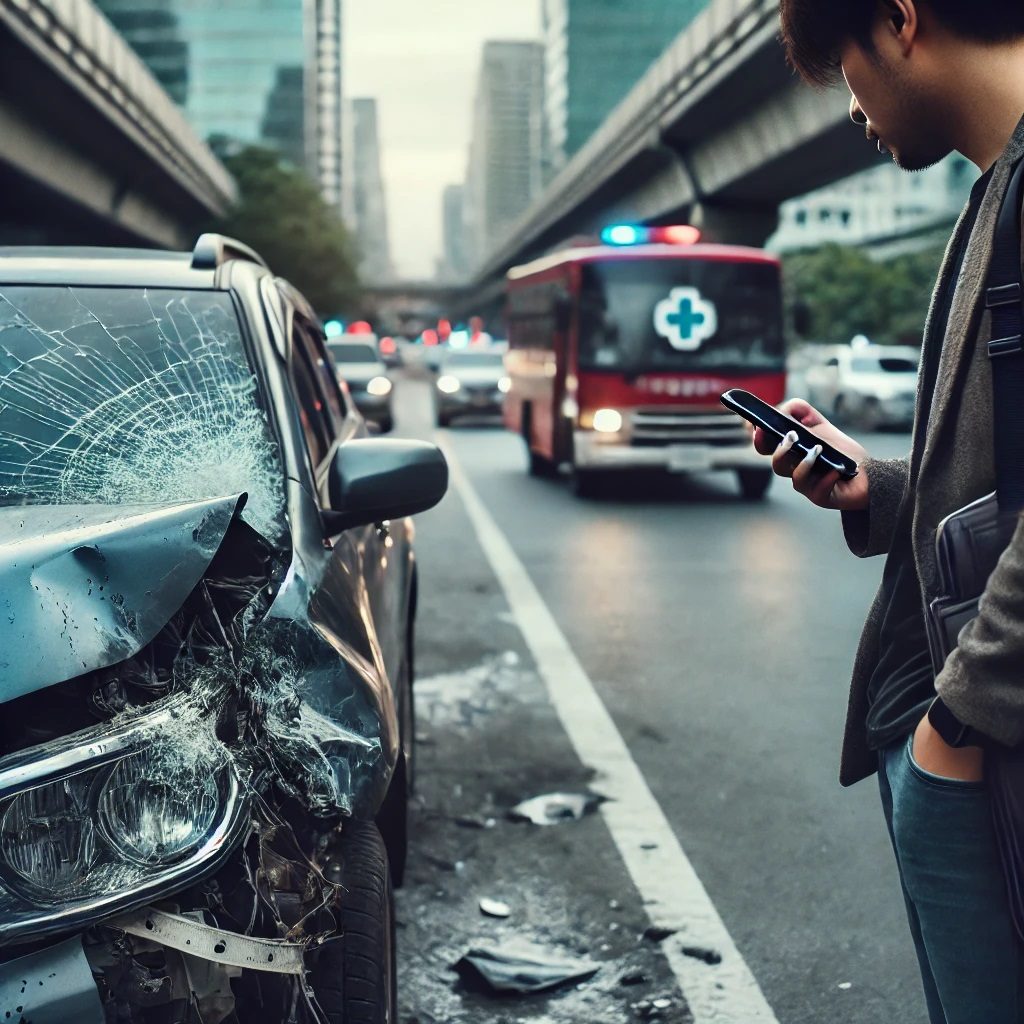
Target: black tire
[(754, 483), (586, 483), (871, 416), (354, 975), (393, 817)]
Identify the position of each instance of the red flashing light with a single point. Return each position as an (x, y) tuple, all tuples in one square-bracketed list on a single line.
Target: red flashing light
[(360, 327), (678, 234), (444, 329), (387, 345), (430, 337)]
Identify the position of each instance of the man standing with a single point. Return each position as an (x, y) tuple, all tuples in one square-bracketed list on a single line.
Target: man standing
[(929, 77)]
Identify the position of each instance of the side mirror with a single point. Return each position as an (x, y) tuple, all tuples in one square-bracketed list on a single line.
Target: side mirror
[(376, 479)]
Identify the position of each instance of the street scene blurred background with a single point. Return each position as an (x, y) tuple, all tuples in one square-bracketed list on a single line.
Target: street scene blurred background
[(547, 235)]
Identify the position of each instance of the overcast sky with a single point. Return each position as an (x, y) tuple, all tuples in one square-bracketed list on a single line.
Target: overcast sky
[(420, 59)]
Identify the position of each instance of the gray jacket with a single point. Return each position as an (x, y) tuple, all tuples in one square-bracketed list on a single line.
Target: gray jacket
[(951, 464)]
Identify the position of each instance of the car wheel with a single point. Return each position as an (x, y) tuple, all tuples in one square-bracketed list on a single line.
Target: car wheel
[(354, 977), (754, 483), (871, 416), (393, 817)]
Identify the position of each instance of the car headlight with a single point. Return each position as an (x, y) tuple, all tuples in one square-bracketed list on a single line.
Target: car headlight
[(155, 818), (448, 384), (379, 387), (505, 385), (48, 836)]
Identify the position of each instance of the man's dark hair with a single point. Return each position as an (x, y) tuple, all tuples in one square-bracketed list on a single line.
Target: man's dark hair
[(814, 30)]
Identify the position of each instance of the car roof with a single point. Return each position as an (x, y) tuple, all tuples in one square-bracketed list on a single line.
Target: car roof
[(86, 265)]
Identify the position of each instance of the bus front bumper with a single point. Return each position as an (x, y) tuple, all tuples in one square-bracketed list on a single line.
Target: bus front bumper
[(594, 451)]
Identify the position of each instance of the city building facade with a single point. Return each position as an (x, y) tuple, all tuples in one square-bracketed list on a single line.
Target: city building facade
[(367, 209), (262, 72), (505, 172), (880, 207), (454, 264), (595, 51)]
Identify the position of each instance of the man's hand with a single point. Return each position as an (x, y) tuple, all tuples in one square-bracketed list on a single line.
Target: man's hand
[(935, 755), (829, 490)]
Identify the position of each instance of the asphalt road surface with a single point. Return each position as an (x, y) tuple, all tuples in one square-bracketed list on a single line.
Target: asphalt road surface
[(719, 635)]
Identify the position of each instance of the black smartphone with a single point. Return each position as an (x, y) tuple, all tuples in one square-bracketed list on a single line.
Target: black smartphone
[(777, 424)]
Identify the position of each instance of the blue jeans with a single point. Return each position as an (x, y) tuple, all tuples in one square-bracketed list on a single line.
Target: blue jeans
[(941, 831)]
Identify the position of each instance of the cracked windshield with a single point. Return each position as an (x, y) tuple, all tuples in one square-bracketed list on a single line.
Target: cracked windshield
[(510, 512)]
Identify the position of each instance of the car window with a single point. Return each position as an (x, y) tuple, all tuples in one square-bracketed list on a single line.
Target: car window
[(353, 352), (312, 406)]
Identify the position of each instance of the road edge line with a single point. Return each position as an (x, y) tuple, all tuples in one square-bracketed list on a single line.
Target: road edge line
[(673, 895)]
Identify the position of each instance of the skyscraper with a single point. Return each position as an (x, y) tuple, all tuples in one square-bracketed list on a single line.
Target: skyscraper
[(253, 71), (507, 143), (455, 261), (368, 212), (594, 53)]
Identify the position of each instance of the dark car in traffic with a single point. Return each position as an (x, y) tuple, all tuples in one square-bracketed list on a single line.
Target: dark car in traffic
[(470, 381), (208, 593), (362, 370)]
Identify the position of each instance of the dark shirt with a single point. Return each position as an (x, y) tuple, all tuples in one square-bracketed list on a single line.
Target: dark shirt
[(903, 683)]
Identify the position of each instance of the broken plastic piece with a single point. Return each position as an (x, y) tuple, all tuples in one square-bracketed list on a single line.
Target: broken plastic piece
[(507, 971), (494, 908), (223, 947), (710, 956), (556, 808)]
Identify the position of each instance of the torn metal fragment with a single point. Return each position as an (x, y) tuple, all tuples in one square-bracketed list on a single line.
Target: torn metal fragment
[(208, 943), (50, 986), (556, 808), (494, 908), (509, 971)]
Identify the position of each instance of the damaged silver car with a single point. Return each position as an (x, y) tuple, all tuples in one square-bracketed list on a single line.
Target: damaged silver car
[(207, 594)]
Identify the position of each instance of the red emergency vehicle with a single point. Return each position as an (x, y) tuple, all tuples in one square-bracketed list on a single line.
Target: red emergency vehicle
[(618, 354)]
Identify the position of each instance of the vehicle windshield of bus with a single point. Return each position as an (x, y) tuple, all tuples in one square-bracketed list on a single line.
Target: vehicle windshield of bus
[(619, 316)]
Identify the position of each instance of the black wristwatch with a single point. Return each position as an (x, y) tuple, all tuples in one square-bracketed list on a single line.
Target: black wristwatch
[(951, 729)]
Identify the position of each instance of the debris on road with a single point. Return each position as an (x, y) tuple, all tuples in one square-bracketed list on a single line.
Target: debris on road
[(509, 972), (478, 821), (653, 1009), (710, 956), (494, 908), (633, 978), (658, 933), (556, 808)]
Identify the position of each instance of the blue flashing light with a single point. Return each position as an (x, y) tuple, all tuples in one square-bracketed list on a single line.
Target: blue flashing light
[(623, 234), (333, 328)]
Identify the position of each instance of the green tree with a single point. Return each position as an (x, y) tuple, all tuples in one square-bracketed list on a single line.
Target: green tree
[(282, 215), (846, 293)]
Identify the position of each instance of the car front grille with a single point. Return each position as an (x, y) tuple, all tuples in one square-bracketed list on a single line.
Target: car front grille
[(654, 427)]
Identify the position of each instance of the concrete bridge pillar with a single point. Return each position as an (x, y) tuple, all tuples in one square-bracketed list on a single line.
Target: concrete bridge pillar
[(735, 225)]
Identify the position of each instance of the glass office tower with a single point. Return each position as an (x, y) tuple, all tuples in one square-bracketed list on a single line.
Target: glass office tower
[(254, 71), (595, 51)]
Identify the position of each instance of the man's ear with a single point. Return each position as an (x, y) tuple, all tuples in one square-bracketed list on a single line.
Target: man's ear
[(902, 21)]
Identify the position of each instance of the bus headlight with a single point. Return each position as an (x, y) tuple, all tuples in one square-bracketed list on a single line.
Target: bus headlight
[(379, 387), (448, 384), (607, 421), (505, 385)]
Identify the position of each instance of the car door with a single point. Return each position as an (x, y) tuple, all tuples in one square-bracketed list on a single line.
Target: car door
[(370, 555)]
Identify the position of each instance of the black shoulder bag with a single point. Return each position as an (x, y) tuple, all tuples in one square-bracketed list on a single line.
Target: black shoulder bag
[(970, 542)]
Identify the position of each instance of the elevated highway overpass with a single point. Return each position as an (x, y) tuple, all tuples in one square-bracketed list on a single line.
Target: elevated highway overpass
[(92, 150), (718, 133)]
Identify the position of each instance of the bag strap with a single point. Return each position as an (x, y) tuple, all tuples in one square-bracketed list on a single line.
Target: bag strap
[(1005, 297)]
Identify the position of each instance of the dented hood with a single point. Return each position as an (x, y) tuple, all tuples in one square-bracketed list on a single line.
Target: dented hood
[(83, 587)]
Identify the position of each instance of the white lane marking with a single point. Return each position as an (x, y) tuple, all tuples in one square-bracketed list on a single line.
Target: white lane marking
[(673, 895)]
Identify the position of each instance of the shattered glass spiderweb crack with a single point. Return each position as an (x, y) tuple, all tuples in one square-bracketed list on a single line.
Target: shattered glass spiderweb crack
[(121, 395)]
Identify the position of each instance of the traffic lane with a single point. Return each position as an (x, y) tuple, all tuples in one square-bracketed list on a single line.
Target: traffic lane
[(489, 738), (747, 617)]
